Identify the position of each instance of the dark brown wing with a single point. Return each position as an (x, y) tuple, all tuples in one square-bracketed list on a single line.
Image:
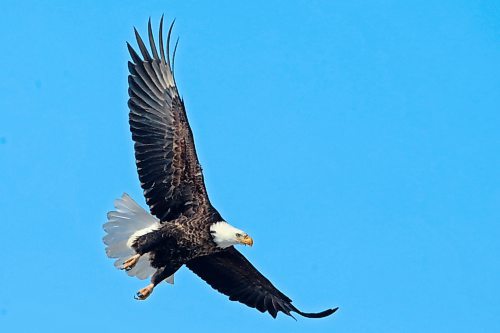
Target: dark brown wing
[(168, 167), (230, 273)]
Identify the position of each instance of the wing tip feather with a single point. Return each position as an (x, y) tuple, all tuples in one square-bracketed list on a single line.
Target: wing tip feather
[(152, 44), (142, 46), (321, 314)]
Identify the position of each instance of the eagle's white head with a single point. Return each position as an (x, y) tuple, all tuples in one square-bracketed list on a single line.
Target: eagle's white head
[(225, 235)]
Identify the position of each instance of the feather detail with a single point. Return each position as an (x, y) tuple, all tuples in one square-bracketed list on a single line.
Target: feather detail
[(124, 225)]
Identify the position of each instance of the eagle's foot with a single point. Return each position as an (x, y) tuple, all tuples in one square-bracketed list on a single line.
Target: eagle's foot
[(130, 262), (144, 292)]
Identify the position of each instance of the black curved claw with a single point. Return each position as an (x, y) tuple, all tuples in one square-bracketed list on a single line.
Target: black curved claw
[(123, 268)]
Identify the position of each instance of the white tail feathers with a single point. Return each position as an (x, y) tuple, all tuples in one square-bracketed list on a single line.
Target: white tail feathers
[(124, 225)]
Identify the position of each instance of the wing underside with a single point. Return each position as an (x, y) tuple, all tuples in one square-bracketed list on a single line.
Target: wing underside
[(230, 273), (166, 159)]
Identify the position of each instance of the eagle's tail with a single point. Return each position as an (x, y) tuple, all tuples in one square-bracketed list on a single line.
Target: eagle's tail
[(126, 223)]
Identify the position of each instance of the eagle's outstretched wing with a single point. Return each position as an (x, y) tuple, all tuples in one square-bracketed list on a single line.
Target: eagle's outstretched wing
[(230, 273), (168, 167)]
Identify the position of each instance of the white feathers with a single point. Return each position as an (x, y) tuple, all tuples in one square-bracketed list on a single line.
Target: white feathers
[(140, 232), (170, 279), (124, 225), (224, 234)]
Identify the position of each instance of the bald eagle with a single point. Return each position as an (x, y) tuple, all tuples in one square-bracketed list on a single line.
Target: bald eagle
[(183, 228)]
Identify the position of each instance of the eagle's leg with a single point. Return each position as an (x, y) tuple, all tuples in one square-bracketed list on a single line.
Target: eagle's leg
[(144, 292), (142, 245), (160, 275), (130, 262)]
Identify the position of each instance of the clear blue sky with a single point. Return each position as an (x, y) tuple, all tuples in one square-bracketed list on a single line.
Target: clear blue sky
[(358, 142)]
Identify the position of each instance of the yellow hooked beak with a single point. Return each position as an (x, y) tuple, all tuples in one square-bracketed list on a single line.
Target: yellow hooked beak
[(247, 240)]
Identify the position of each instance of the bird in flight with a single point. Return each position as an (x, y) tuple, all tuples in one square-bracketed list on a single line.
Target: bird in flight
[(183, 227)]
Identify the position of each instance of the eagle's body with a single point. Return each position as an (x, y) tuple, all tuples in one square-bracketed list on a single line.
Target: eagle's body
[(183, 227), (178, 241)]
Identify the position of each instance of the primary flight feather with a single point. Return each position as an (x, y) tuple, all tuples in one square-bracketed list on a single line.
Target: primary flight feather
[(183, 227)]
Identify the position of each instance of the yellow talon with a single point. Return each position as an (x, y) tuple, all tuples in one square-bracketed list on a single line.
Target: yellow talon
[(130, 262), (144, 292)]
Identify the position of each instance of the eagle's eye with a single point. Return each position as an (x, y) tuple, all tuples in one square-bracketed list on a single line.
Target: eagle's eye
[(238, 235)]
